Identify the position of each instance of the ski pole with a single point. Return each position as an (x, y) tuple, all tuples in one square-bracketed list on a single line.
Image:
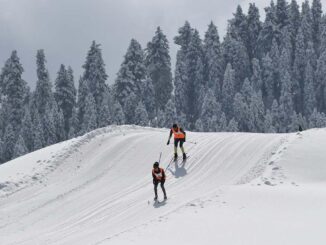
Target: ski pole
[(159, 160)]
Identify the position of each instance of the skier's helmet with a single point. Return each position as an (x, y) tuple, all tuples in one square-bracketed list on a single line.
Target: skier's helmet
[(155, 165), (175, 125)]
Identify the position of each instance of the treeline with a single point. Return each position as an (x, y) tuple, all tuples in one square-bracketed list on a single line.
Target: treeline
[(265, 76)]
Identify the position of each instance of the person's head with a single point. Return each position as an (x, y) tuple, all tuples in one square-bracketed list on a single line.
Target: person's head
[(175, 126), (156, 165)]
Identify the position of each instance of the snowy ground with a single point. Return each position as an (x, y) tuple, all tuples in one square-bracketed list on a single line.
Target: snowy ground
[(235, 188)]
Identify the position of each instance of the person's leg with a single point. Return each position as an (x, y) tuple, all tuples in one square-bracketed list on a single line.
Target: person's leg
[(176, 141), (163, 189), (181, 146), (155, 188)]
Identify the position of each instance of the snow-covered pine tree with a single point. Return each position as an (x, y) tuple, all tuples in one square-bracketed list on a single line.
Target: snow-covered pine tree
[(37, 130), (73, 124), (149, 97), (282, 14), (254, 28), (131, 76), (131, 104), (49, 126), (26, 129), (118, 114), (316, 14), (233, 126), (95, 74), (268, 81), (14, 91), (275, 112), (181, 73), (321, 82), (286, 103), (158, 64), (309, 91), (43, 95), (213, 60), (65, 93), (299, 67), (195, 73), (83, 91), (295, 22), (170, 114), (269, 128), (104, 114), (256, 77), (209, 112), (269, 31), (9, 139), (257, 110), (228, 91), (306, 22), (141, 117), (90, 117), (20, 148)]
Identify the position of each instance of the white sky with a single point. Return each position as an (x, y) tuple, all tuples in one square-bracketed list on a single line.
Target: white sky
[(66, 28)]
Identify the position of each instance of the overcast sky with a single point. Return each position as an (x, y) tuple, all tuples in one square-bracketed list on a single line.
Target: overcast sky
[(66, 28)]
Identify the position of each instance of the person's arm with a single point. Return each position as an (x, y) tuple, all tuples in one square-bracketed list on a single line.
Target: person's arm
[(170, 137), (153, 176)]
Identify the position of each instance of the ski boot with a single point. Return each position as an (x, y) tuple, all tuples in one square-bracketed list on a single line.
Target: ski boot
[(184, 156), (175, 156)]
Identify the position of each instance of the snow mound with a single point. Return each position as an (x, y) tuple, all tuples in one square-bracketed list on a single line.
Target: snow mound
[(96, 189)]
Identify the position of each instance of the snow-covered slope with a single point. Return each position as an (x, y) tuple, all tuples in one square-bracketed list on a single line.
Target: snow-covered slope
[(235, 188)]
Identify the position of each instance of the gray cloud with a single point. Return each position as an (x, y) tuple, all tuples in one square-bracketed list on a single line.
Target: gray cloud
[(65, 28)]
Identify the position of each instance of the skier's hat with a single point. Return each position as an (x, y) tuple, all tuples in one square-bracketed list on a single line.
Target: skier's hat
[(155, 165), (174, 125)]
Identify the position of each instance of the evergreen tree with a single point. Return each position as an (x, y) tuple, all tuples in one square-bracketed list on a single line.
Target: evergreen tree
[(9, 142), (222, 123), (286, 103), (295, 22), (269, 128), (104, 115), (65, 93), (306, 22), (130, 108), (270, 30), (89, 122), (256, 78), (118, 115), (181, 73), (257, 111), (275, 113), (43, 93), (282, 15), (14, 90), (73, 124), (254, 28), (49, 127), (131, 74), (268, 81), (321, 81), (20, 148), (148, 96), (95, 74), (141, 117), (209, 112), (213, 59), (195, 83), (233, 126), (26, 129), (37, 129), (83, 91), (309, 91), (158, 63), (228, 91), (170, 114), (316, 14)]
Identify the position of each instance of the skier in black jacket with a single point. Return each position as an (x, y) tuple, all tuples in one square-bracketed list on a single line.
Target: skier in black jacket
[(158, 177)]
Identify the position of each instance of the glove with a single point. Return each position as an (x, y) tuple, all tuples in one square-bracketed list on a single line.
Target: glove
[(168, 142)]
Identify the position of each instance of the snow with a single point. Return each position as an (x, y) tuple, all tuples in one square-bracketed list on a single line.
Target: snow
[(235, 188)]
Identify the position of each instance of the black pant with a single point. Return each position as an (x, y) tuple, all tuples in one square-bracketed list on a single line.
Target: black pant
[(177, 141), (155, 182)]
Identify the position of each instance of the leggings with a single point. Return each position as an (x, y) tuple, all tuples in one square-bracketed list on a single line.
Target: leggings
[(162, 186)]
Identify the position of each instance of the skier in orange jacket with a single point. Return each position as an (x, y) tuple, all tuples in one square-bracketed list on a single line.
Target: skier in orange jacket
[(179, 138)]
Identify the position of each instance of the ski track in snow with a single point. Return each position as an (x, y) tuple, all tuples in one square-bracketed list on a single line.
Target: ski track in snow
[(100, 183)]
